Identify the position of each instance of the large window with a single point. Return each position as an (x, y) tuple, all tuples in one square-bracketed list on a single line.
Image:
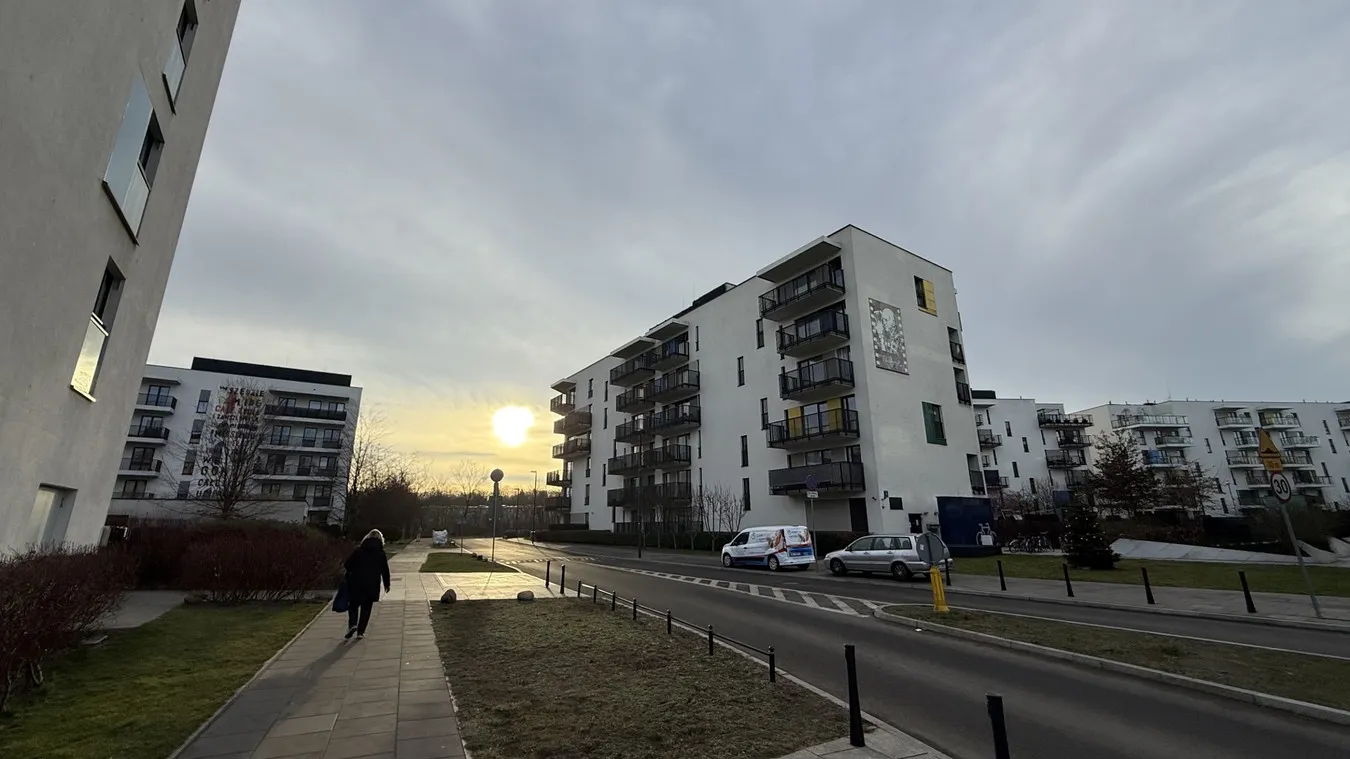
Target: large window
[(745, 493), (106, 300), (932, 424), (179, 50), (135, 158)]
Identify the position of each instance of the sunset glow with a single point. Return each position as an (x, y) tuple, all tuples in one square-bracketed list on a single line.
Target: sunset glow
[(511, 423)]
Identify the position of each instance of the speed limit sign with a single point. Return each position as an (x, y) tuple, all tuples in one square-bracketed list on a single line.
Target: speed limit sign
[(1280, 484)]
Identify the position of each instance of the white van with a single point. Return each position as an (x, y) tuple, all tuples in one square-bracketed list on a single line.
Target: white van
[(774, 546)]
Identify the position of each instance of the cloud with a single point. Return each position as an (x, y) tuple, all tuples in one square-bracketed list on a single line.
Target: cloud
[(460, 202)]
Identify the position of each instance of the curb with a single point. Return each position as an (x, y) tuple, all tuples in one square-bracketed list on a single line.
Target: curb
[(1279, 703), (235, 696)]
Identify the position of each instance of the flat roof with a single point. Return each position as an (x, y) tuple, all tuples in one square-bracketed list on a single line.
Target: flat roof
[(808, 256), (264, 371), (634, 347)]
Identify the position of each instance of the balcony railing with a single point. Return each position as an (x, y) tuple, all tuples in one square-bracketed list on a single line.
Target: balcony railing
[(682, 417), (1296, 458), (1246, 440), (670, 353), (1343, 420), (977, 484), (662, 494), (558, 478), (1064, 459), (820, 284), (818, 427), (331, 415), (668, 456), (295, 470), (637, 428), (1162, 458), (1258, 479), (988, 439), (1233, 420), (817, 334), (1074, 440), (674, 386), (816, 379), (562, 404), (1242, 458), (1244, 499), (572, 424), (1166, 441), (1076, 478), (963, 392), (958, 352), (330, 444), (1279, 420), (993, 481), (837, 476), (149, 431), (1122, 421), (632, 400), (140, 465), (157, 400), (636, 368), (1303, 479), (578, 446), (558, 503), (1296, 440), (1056, 419)]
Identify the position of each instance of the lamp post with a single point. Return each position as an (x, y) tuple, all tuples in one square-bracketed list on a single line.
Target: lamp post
[(534, 503), (496, 476)]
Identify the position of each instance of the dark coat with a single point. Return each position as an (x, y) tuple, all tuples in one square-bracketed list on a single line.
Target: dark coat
[(366, 568)]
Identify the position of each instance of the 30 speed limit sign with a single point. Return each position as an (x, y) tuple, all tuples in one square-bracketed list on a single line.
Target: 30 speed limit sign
[(1280, 484)]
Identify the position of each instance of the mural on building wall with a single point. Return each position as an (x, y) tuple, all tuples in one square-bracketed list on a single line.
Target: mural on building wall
[(888, 337)]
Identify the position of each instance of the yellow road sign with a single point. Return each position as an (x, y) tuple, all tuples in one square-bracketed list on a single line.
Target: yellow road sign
[(1269, 453)]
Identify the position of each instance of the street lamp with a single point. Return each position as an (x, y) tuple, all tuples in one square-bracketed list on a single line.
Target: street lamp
[(534, 503), (496, 476)]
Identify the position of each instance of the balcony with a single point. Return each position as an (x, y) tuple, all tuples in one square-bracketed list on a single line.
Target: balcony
[(559, 478), (1297, 459), (295, 472), (571, 449), (1299, 440), (148, 433), (1172, 441), (563, 404), (834, 477), (132, 467), (1065, 459), (669, 354), (993, 481), (1243, 459), (671, 456), (963, 392), (988, 439), (958, 352), (1055, 420), (1278, 421), (297, 412), (1076, 478), (663, 494), (1247, 440), (574, 423), (1128, 421), (631, 463), (677, 386), (814, 335), (633, 401), (331, 444), (675, 420), (1233, 421), (156, 402), (1162, 459), (1306, 480), (816, 381), (977, 484), (1247, 500), (636, 429), (1260, 479), (633, 371), (1073, 440), (558, 503), (817, 430), (1343, 419), (803, 294)]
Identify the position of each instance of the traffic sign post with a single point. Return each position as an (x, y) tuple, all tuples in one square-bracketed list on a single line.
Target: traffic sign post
[(1284, 492), (812, 493), (1269, 453), (1280, 484)]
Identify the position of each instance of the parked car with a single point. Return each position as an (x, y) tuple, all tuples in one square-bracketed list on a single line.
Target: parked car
[(903, 556), (773, 546)]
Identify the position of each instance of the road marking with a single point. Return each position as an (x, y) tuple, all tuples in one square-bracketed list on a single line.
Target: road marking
[(809, 601), (778, 594), (873, 605), (841, 604)]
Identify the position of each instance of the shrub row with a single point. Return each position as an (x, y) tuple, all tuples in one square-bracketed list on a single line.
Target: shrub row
[(50, 599)]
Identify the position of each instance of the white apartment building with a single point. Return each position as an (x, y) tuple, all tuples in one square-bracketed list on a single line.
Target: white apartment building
[(103, 112), (840, 366), (1035, 450), (1221, 436), (305, 420)]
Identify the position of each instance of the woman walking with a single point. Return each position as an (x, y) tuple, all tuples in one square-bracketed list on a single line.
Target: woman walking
[(366, 567)]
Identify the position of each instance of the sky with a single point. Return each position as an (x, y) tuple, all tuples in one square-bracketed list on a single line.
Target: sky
[(460, 202)]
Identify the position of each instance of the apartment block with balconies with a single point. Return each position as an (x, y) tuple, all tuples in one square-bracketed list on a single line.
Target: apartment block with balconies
[(1032, 454), (839, 368), (302, 427)]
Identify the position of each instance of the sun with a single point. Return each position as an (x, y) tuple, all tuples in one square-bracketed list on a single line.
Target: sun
[(510, 423)]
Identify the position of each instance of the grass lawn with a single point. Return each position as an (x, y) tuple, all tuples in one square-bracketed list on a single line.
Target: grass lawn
[(1305, 678), (1262, 578), (452, 561), (567, 680), (142, 692)]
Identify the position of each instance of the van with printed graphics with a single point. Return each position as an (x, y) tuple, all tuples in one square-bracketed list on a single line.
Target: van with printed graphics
[(773, 546)]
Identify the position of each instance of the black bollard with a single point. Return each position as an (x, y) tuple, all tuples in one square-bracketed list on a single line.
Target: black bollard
[(562, 582), (710, 640), (1148, 589), (669, 629), (1068, 585), (578, 588), (855, 725), (1246, 592), (1002, 583), (548, 569), (634, 609), (595, 594), (613, 600), (1000, 726), (773, 666)]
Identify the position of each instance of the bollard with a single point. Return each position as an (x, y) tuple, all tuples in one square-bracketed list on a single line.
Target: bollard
[(1246, 592), (1148, 589), (1068, 585), (939, 594), (595, 594), (613, 600), (1002, 583), (773, 666), (562, 582), (669, 629), (634, 609), (548, 569), (947, 573), (578, 588), (710, 640), (1000, 726), (855, 726)]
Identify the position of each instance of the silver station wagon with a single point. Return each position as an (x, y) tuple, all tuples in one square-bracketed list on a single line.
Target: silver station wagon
[(903, 556)]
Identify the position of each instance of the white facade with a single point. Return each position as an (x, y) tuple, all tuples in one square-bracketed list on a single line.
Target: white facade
[(1221, 436), (303, 457), (103, 112), (1032, 449), (843, 361)]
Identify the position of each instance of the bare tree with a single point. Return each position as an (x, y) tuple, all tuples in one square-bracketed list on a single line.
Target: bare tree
[(723, 507), (468, 480), (1191, 488)]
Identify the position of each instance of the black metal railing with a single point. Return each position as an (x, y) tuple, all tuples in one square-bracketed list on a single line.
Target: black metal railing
[(831, 371), (295, 470), (663, 494), (157, 431), (672, 385), (1058, 419), (1301, 478), (1077, 479), (812, 329), (989, 438), (637, 428), (821, 425), (561, 404), (819, 279), (640, 364), (1297, 439), (573, 447), (1279, 420), (1074, 440), (156, 399), (577, 421), (670, 353), (1233, 420), (680, 416), (631, 400), (558, 478), (281, 409), (977, 483), (1242, 458), (843, 476), (1148, 420), (1065, 458), (141, 465), (558, 503), (1171, 440)]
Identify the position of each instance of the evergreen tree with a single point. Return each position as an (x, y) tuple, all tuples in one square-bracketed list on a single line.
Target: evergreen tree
[(1085, 544)]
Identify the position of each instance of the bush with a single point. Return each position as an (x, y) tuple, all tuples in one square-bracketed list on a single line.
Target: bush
[(161, 548), (235, 566), (50, 599)]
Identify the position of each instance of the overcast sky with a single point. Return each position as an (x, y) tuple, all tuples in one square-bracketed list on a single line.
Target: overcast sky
[(460, 202)]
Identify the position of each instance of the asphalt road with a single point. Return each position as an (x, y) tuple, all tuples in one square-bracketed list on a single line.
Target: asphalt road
[(934, 687), (887, 591)]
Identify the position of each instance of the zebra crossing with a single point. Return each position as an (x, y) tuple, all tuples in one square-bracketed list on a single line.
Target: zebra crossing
[(853, 607), (559, 559)]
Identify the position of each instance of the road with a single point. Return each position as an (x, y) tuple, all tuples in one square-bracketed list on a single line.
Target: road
[(933, 687), (887, 591)]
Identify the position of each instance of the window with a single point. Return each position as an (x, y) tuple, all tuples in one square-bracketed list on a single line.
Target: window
[(590, 388), (133, 489), (605, 414), (745, 493), (332, 438), (157, 395), (695, 337), (606, 390), (1007, 428), (1223, 504), (134, 158), (923, 294), (759, 333), (314, 404), (96, 332), (300, 492), (1015, 472), (896, 503), (179, 49), (1331, 443), (310, 437), (1325, 473), (1032, 482), (190, 462), (1326, 427), (745, 450), (604, 470), (588, 466), (1208, 448), (700, 443), (587, 500), (184, 489), (932, 424), (197, 425), (203, 401), (740, 371), (40, 520), (1345, 485), (763, 413), (1025, 448)]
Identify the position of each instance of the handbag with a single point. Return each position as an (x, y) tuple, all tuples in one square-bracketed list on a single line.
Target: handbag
[(342, 600)]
